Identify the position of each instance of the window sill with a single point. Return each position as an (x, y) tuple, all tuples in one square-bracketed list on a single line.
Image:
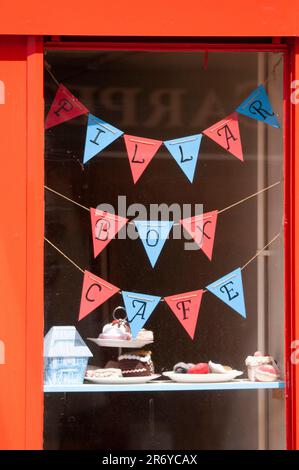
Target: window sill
[(165, 386)]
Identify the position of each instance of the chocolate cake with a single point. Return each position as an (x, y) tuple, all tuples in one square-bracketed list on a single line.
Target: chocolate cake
[(136, 364)]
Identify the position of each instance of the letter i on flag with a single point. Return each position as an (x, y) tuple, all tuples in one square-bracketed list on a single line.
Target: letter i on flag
[(140, 152), (229, 289), (153, 234), (99, 135), (186, 308), (63, 108), (185, 152), (104, 227), (202, 229), (258, 106), (227, 134), (139, 308), (95, 292)]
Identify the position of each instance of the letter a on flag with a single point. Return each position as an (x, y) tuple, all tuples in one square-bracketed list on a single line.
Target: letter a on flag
[(139, 308), (202, 229), (185, 152), (140, 152), (95, 292), (104, 227), (153, 234), (186, 308), (229, 289), (99, 134), (227, 134), (64, 107), (257, 106)]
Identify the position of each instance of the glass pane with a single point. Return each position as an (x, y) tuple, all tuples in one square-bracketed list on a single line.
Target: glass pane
[(163, 96)]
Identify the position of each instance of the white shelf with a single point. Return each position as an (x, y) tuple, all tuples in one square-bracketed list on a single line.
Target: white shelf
[(165, 386)]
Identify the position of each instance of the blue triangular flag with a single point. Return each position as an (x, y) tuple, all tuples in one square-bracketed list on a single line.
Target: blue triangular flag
[(139, 308), (185, 152), (257, 106), (229, 289), (153, 234), (99, 134)]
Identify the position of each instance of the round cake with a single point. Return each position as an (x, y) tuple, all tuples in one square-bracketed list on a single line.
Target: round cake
[(136, 364), (118, 329)]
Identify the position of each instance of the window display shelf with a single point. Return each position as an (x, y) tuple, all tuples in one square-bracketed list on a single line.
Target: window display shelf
[(165, 386)]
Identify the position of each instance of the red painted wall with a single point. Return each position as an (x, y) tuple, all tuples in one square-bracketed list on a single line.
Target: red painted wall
[(21, 243), (21, 176)]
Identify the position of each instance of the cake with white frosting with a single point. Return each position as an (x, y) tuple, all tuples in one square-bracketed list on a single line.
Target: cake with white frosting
[(261, 368)]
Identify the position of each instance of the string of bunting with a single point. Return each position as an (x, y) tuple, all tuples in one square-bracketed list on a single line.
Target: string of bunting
[(185, 306), (153, 233), (141, 150)]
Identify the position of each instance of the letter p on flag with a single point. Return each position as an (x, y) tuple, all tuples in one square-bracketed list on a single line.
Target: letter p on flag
[(139, 308)]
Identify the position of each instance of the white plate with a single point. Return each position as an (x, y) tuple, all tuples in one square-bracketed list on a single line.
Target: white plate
[(203, 378), (120, 343), (122, 380)]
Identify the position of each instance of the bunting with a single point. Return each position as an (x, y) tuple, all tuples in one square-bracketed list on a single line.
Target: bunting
[(141, 150), (95, 292), (139, 308), (202, 229), (257, 106), (153, 234), (227, 134), (186, 309), (104, 227), (140, 153), (99, 135), (229, 289), (64, 107), (185, 152), (185, 306)]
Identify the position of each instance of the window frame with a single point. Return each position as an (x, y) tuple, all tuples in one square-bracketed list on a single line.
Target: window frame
[(289, 182)]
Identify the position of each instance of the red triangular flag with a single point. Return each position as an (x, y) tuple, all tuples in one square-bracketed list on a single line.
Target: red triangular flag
[(202, 229), (186, 308), (140, 152), (64, 107), (95, 292), (104, 227), (227, 134)]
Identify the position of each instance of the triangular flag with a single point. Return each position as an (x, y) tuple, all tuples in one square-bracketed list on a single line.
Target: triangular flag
[(153, 234), (229, 289), (99, 134), (104, 227), (186, 308), (257, 106), (64, 107), (227, 134), (185, 152), (202, 229), (139, 308), (140, 152), (95, 292)]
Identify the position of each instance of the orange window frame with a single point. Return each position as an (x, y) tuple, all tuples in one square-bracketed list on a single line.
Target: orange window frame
[(21, 319)]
